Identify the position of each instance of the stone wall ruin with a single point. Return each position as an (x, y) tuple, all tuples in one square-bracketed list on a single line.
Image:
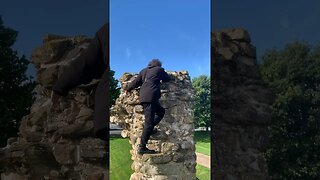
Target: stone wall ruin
[(241, 108), (174, 142), (56, 145), (60, 145)]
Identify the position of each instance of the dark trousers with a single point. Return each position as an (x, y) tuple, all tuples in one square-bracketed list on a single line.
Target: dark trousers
[(153, 113)]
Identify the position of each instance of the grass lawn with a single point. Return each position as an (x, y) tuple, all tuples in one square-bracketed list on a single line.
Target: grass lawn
[(203, 173), (120, 157), (202, 139)]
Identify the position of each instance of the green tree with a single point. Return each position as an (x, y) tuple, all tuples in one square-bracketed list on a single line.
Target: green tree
[(15, 87), (114, 90), (294, 75), (202, 88)]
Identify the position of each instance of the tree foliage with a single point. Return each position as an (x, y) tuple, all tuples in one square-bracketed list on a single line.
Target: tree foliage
[(114, 90), (202, 88), (294, 75), (15, 87)]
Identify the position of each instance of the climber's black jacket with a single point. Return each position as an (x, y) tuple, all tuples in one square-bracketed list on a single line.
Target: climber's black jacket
[(149, 80), (92, 63)]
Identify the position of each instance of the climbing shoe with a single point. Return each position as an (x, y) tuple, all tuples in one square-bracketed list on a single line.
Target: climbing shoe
[(145, 150), (154, 131)]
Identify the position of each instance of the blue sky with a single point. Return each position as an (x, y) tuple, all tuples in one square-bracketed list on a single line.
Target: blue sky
[(271, 24), (34, 19), (175, 31)]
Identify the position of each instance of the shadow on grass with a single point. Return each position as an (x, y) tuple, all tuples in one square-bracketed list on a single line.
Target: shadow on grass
[(202, 136)]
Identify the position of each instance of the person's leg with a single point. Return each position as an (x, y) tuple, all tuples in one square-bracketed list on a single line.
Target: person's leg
[(159, 111), (148, 123)]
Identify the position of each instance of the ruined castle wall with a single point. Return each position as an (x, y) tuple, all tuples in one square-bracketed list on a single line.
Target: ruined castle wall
[(241, 108), (60, 145), (56, 144), (174, 143)]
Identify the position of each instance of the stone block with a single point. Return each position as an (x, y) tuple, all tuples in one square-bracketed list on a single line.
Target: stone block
[(65, 153)]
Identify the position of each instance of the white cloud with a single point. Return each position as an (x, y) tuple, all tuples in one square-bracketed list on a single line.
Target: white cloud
[(200, 71), (128, 52), (203, 67)]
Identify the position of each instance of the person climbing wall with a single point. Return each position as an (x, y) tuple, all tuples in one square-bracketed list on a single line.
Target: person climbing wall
[(150, 79)]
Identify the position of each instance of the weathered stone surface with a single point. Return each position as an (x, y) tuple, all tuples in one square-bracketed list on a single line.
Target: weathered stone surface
[(46, 77), (64, 153), (241, 108), (75, 131), (84, 115), (235, 34), (56, 144), (160, 159), (174, 141), (52, 50), (11, 176), (92, 150)]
